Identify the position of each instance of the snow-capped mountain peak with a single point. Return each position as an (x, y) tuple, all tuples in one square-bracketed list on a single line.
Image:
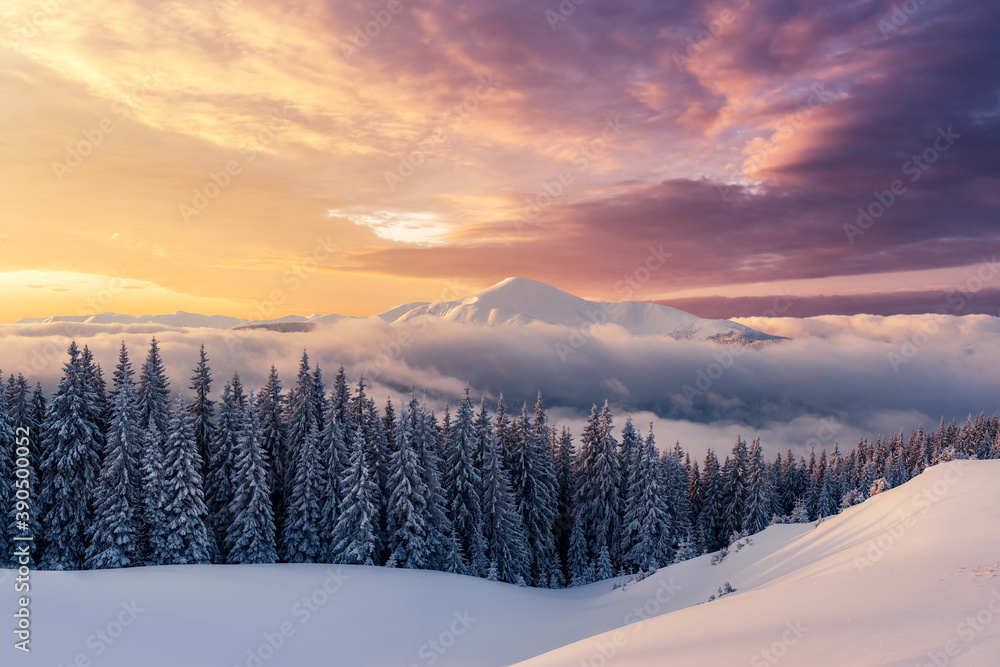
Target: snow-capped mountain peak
[(518, 301), (513, 301)]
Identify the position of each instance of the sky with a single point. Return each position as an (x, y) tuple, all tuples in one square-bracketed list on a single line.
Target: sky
[(345, 157)]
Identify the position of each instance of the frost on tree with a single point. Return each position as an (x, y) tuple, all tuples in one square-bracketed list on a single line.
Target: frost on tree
[(250, 537), (72, 443), (598, 485), (502, 527), (115, 539), (464, 485), (182, 536)]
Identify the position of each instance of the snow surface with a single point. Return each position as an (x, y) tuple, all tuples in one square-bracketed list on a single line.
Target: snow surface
[(891, 582), (511, 302)]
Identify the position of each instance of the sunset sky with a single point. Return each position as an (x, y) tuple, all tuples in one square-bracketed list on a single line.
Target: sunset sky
[(244, 154)]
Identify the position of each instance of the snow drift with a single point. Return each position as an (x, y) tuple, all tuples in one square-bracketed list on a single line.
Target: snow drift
[(910, 577)]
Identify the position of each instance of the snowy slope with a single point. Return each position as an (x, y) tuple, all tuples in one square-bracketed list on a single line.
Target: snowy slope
[(911, 577), (518, 301), (887, 582), (511, 302)]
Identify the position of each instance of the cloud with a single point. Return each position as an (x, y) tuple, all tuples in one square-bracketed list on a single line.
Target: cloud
[(733, 161), (911, 302), (839, 378)]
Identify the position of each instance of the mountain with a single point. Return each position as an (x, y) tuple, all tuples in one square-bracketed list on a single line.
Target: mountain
[(511, 302), (900, 579), (178, 319), (520, 301)]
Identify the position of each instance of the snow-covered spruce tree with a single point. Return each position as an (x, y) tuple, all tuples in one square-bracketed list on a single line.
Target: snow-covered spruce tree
[(270, 407), (647, 521), (336, 461), (355, 537), (800, 513), (23, 427), (23, 414), (464, 486), (439, 532), (386, 447), (502, 527), (734, 477), (250, 537), (709, 525), (8, 522), (320, 403), (39, 408), (202, 408), (94, 378), (506, 439), (368, 435), (379, 449), (565, 469), (605, 568), (114, 540), (598, 483), (301, 418), (301, 541), (220, 480), (153, 405), (182, 538), (71, 467), (153, 398), (406, 515), (758, 500), (629, 453), (827, 501), (675, 478), (579, 564), (533, 482)]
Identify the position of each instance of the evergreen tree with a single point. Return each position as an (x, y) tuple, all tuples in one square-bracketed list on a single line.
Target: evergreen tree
[(564, 463), (605, 568), (533, 482), (581, 568), (735, 490), (647, 521), (709, 528), (828, 499), (22, 414), (406, 515), (629, 453), (439, 531), (71, 467), (153, 406), (270, 406), (300, 536), (182, 537), (23, 426), (758, 502), (598, 484), (250, 536), (114, 535), (502, 527), (800, 513), (675, 476), (355, 537), (8, 499), (301, 419), (221, 481), (465, 489), (94, 379), (203, 407)]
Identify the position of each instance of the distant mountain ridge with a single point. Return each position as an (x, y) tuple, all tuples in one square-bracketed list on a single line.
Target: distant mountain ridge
[(512, 302)]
